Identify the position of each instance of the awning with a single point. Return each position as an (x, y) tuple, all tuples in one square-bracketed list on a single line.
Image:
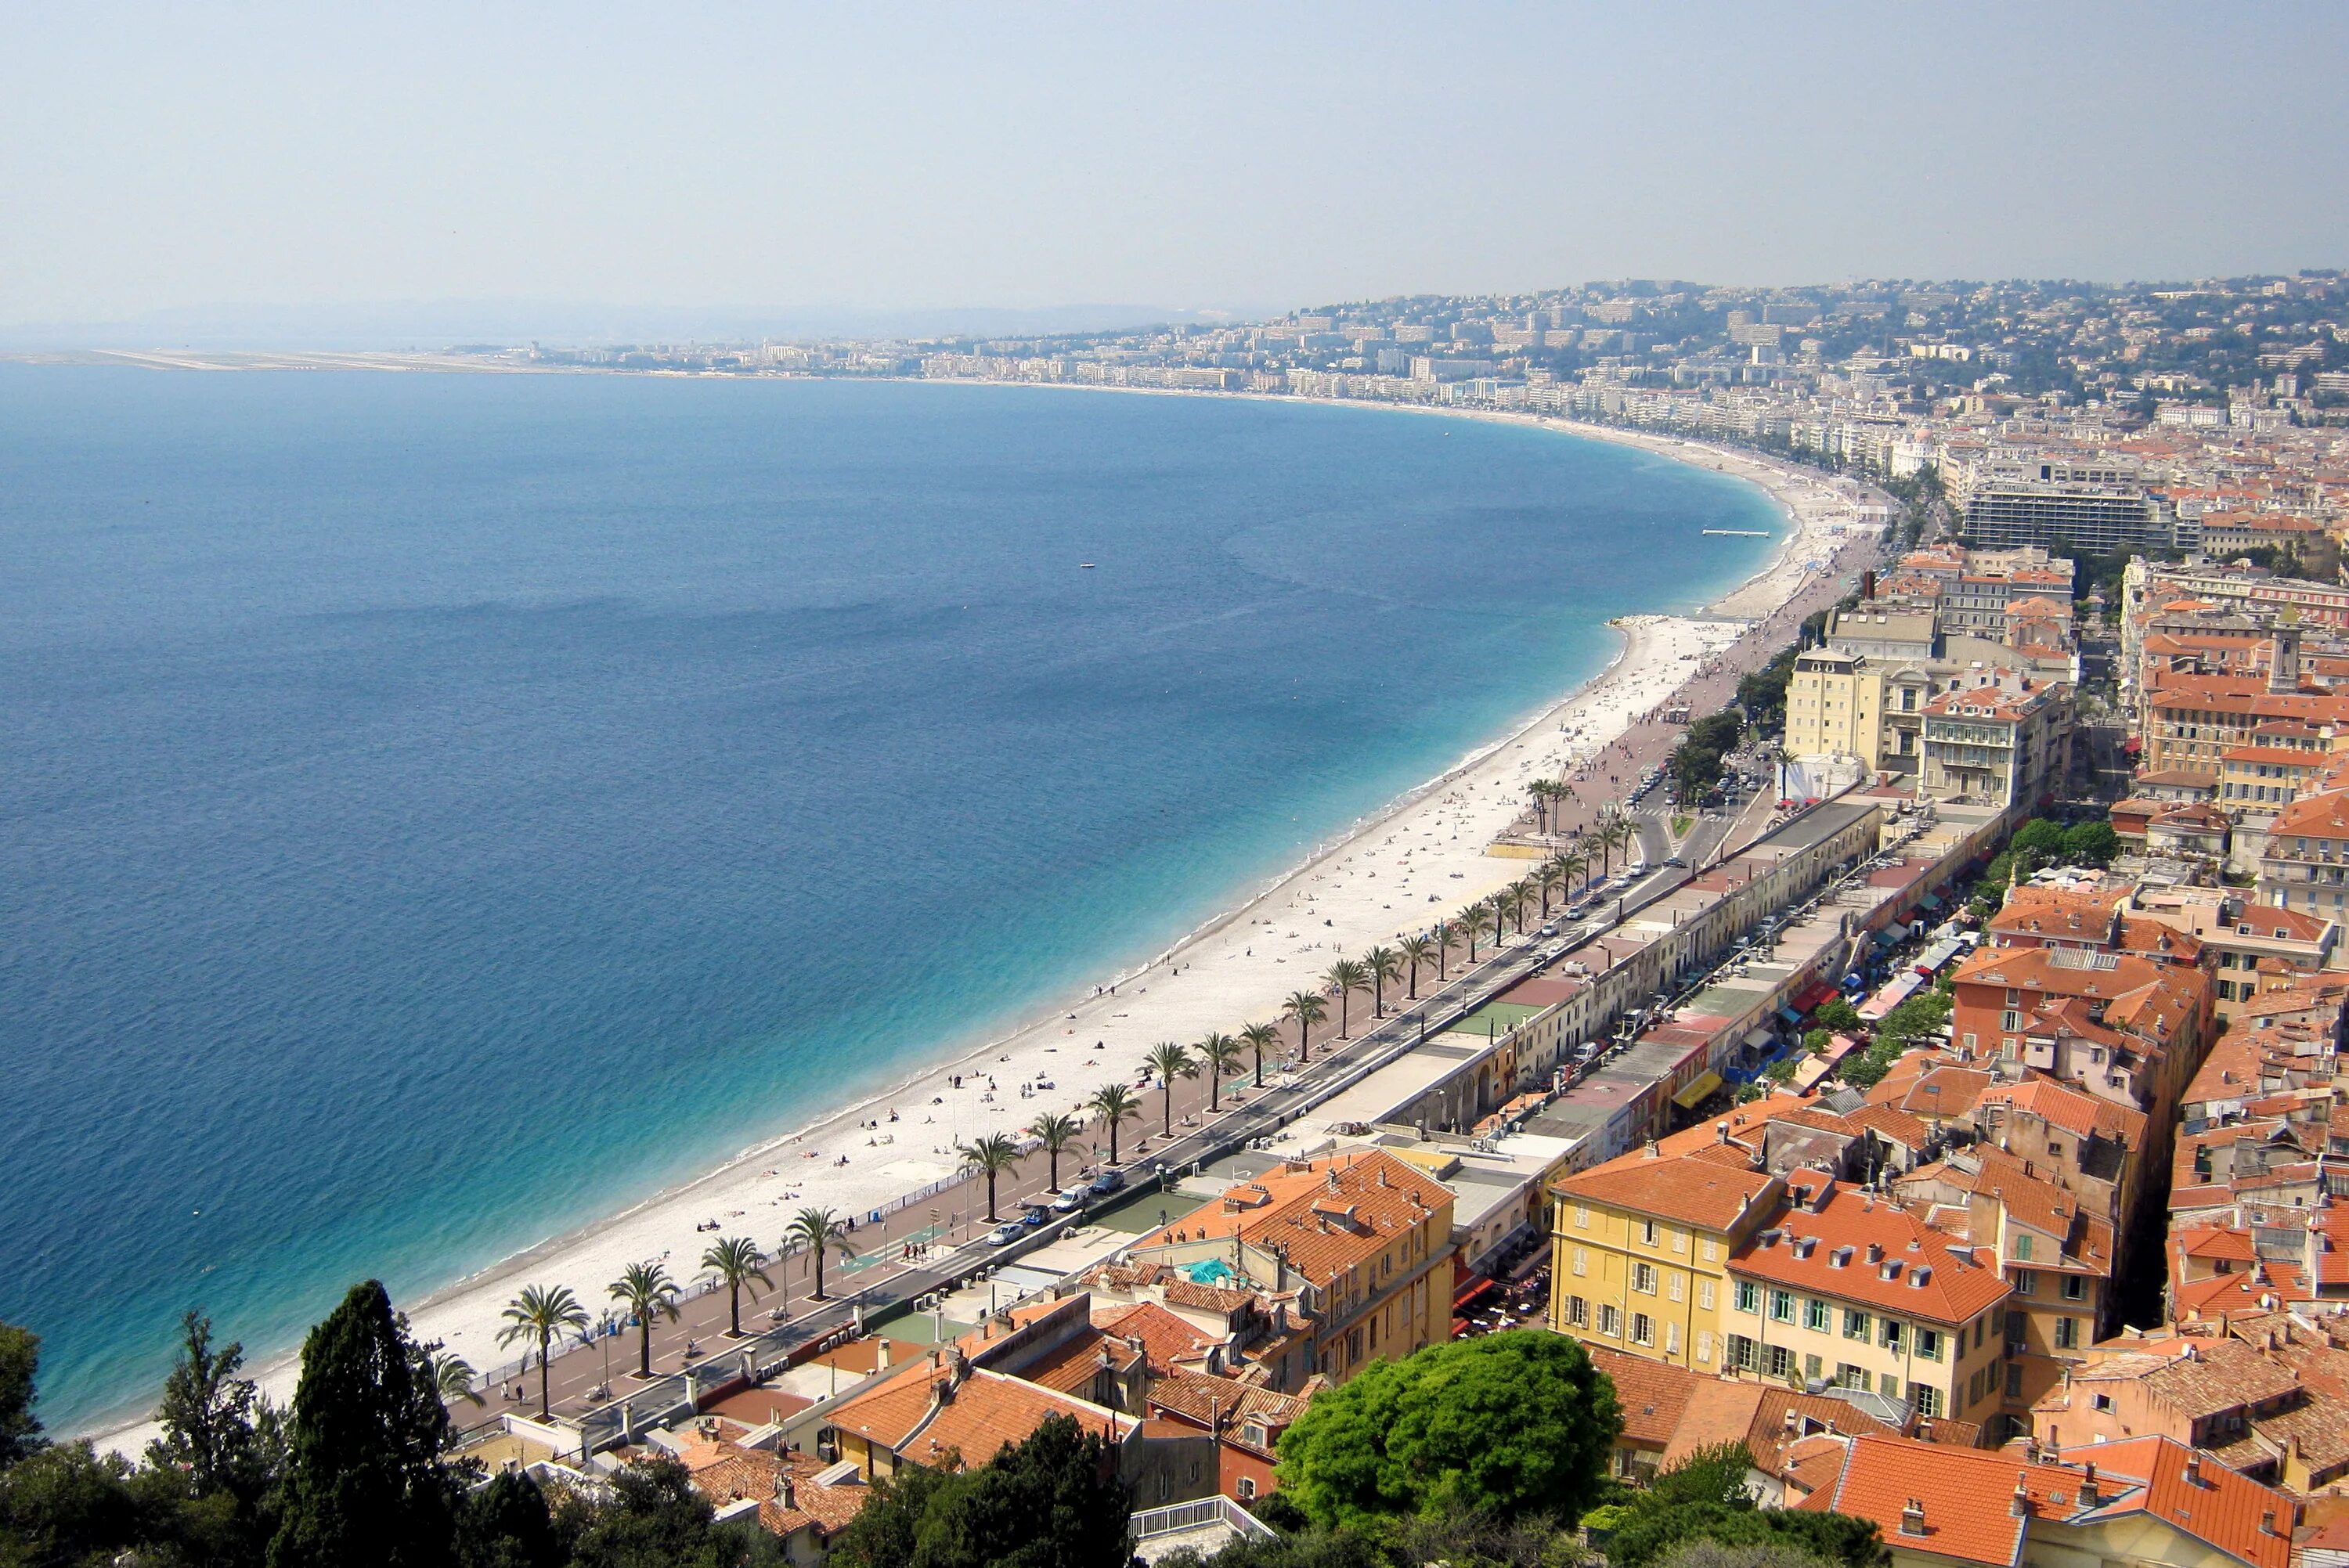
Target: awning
[(1932, 900), (1811, 995), (1790, 1015), (1476, 1286), (1760, 1040), (1887, 938), (1699, 1087)]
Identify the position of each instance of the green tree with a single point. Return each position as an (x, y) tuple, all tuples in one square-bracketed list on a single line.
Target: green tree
[(1513, 1422), (1260, 1039), (1056, 1132), (1305, 1009), (1113, 1103), (816, 1231), (2091, 843), (1171, 1061), (364, 1486), (507, 1524), (1414, 950), (536, 1316), (1218, 1055), (1384, 966), (1052, 1501), (1817, 1041), (989, 1157), (66, 1505), (1839, 1015), (737, 1265), (1703, 1497), (453, 1377), (1344, 978), (20, 1361), (2039, 838), (655, 1518), (646, 1293), (207, 1416)]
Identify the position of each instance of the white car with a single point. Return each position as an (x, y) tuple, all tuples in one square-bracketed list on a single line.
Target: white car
[(1004, 1235), (1069, 1200)]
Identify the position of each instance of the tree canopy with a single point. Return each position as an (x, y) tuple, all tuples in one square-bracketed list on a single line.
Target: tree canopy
[(1513, 1422), (1053, 1501)]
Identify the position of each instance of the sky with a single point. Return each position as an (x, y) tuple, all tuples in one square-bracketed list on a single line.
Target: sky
[(301, 160)]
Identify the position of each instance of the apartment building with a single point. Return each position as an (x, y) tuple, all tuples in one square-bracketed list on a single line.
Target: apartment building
[(1640, 1248), (2121, 1027), (2006, 742), (1852, 1289), (2304, 861)]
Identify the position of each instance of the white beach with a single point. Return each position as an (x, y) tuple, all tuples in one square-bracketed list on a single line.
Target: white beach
[(1391, 874)]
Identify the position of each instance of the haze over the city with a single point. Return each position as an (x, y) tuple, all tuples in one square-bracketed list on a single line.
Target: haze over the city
[(272, 172)]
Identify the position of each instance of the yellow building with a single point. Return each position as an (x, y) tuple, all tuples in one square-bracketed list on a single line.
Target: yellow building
[(1852, 1288), (1835, 707), (1641, 1247)]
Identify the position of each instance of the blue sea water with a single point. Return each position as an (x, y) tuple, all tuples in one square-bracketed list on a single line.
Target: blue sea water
[(435, 810)]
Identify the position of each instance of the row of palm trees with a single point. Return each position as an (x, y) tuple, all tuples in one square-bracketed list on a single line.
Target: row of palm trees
[(645, 1294)]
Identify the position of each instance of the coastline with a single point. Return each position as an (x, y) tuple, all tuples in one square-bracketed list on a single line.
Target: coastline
[(1460, 809)]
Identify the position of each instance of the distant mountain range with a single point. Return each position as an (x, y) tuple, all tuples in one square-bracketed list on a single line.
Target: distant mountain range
[(442, 324)]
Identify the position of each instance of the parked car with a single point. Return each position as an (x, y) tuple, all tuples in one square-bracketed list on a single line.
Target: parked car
[(1071, 1198), (1003, 1235), (1108, 1182), (1034, 1214)]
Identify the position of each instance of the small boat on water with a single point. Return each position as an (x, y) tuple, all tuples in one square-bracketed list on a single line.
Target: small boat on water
[(1084, 566)]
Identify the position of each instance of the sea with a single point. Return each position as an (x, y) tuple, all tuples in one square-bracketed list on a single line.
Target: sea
[(437, 809)]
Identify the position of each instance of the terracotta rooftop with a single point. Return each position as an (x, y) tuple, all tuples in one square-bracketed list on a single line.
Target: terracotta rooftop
[(1914, 1271)]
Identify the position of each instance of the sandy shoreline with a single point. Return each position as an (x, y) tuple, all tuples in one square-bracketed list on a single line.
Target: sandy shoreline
[(1430, 844)]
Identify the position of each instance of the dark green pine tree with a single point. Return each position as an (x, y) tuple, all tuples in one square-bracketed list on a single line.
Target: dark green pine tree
[(20, 1362), (1054, 1502), (364, 1487), (507, 1524)]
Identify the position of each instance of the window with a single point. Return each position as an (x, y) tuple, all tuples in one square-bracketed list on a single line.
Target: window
[(1856, 1325), (1644, 1329), (1582, 1216), (1648, 1231), (1888, 1385), (1929, 1344), (1672, 1286), (1246, 1488), (1981, 1325), (1706, 1250), (1892, 1332), (1749, 1296), (2100, 1402), (1851, 1376), (1925, 1398), (1704, 1345), (2014, 1379), (1742, 1353), (1782, 1307), (1815, 1316), (1704, 1293), (2067, 1334), (1611, 1321), (1810, 1368), (2023, 1245), (2075, 1287), (1671, 1339), (1643, 1278), (1582, 1261), (1777, 1361), (1680, 1241), (1577, 1312), (2025, 1282)]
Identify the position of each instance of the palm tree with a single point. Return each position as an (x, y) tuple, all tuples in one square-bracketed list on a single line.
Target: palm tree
[(1495, 910), (1513, 899), (1344, 978), (1056, 1132), (1574, 865), (1443, 934), (1415, 951), (989, 1157), (1472, 921), (539, 1315), (736, 1261), (647, 1292), (1549, 879), (815, 1231), (1260, 1039), (1619, 833), (1113, 1103), (1305, 1009), (1383, 964), (452, 1378), (1171, 1061), (1218, 1055), (1537, 795)]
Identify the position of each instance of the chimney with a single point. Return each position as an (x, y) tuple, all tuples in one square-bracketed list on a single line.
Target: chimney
[(2088, 1488), (2020, 1506), (785, 1493), (1913, 1517), (2267, 1522), (887, 1356), (1794, 1423), (2193, 1469), (1720, 1131), (1650, 1149), (1876, 1252)]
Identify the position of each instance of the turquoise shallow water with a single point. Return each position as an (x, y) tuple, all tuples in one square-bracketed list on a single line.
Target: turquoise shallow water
[(437, 809)]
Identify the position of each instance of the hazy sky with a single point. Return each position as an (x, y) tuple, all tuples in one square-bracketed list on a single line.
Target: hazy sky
[(1252, 155)]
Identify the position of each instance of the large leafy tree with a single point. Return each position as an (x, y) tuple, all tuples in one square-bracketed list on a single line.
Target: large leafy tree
[(20, 1362), (1514, 1423), (508, 1524), (1052, 1501), (364, 1487), (654, 1519), (1703, 1499), (211, 1438)]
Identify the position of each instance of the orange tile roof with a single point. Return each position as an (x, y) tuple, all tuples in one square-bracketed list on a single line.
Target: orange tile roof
[(1690, 1190), (1918, 1273), (2214, 1504), (1652, 1396), (2325, 816), (1327, 1217)]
